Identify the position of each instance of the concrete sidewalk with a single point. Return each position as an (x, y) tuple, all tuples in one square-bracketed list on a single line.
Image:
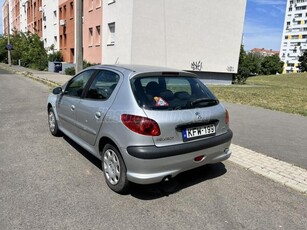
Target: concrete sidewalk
[(279, 171), (50, 78)]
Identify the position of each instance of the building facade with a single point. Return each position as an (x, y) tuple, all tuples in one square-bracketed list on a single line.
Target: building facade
[(92, 31), (15, 15), (23, 16), (294, 38), (67, 30), (50, 37), (198, 36), (5, 17), (34, 17), (264, 52)]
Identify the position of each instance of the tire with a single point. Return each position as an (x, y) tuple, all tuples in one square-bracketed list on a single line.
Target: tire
[(53, 124), (114, 169)]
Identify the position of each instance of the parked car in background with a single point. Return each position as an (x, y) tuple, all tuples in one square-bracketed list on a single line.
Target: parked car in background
[(146, 124)]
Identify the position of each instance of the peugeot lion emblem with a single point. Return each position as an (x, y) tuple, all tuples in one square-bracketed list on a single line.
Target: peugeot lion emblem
[(198, 115)]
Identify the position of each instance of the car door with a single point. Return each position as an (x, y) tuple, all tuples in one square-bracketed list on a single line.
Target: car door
[(69, 100), (96, 102)]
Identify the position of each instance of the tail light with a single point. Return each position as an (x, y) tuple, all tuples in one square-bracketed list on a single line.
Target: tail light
[(141, 125), (227, 117)]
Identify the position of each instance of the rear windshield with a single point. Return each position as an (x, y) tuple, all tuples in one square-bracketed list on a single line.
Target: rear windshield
[(171, 93)]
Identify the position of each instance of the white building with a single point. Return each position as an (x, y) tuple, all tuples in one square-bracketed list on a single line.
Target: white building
[(200, 36), (50, 24), (23, 16), (294, 38)]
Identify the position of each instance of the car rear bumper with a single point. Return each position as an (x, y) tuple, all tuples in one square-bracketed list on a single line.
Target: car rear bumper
[(153, 170), (154, 152)]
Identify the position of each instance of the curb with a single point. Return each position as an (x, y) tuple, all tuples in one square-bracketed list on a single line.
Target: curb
[(30, 75), (279, 171)]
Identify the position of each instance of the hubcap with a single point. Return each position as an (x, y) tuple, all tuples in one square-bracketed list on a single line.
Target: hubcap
[(111, 166), (51, 122)]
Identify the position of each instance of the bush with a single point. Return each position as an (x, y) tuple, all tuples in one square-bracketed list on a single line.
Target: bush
[(55, 56), (28, 48), (70, 71), (88, 64)]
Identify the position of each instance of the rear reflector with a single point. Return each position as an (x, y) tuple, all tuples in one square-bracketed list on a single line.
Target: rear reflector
[(227, 117), (199, 158)]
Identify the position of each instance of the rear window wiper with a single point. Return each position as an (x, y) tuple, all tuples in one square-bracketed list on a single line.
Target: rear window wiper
[(206, 101)]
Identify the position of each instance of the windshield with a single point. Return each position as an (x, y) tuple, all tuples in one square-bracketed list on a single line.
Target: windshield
[(171, 93)]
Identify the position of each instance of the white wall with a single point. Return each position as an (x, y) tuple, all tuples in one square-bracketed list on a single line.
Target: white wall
[(23, 16), (176, 33), (119, 12)]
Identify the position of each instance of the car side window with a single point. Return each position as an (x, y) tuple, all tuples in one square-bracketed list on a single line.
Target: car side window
[(76, 86), (103, 85)]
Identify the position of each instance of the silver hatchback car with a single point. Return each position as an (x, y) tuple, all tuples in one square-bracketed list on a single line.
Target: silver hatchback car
[(146, 124)]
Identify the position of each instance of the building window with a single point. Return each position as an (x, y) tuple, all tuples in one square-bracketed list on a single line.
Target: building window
[(98, 4), (91, 5), (64, 11), (90, 36), (55, 18), (55, 42), (97, 37), (61, 13), (111, 35), (71, 9), (61, 41)]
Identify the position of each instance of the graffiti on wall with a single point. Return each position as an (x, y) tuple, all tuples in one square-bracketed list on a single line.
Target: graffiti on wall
[(230, 68), (196, 66)]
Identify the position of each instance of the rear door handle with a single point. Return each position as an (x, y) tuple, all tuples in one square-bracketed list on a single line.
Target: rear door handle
[(97, 115), (72, 108)]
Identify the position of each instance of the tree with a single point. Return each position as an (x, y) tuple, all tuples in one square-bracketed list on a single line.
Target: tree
[(28, 48), (303, 62), (249, 64), (243, 71), (271, 65)]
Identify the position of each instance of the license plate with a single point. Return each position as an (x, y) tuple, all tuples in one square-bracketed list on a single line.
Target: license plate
[(201, 131)]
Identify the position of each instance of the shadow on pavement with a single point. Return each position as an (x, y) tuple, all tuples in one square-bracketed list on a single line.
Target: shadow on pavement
[(180, 182), (162, 189)]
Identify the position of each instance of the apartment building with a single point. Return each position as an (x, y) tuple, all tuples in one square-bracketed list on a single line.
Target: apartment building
[(5, 17), (294, 38), (264, 52), (34, 16), (67, 30), (92, 31), (50, 25), (23, 27), (15, 15), (199, 36)]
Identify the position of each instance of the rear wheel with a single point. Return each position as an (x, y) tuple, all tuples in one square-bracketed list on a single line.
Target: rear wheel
[(53, 125), (114, 169)]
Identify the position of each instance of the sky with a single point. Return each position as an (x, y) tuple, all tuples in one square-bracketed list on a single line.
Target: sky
[(263, 23)]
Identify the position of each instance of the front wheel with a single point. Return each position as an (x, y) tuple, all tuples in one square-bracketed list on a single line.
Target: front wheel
[(53, 125), (114, 169)]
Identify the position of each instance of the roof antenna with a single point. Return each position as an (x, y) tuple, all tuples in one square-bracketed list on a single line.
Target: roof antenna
[(117, 60)]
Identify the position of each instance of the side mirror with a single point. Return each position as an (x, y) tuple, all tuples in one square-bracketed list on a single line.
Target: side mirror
[(57, 90)]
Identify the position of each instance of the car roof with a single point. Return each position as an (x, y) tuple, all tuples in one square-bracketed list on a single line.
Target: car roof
[(139, 68)]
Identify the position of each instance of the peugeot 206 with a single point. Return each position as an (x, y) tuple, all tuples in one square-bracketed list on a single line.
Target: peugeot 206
[(146, 124)]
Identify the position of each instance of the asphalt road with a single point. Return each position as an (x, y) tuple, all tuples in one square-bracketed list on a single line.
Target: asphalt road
[(276, 134), (51, 183)]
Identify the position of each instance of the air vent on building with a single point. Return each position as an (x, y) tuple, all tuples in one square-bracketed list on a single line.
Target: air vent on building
[(62, 22)]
